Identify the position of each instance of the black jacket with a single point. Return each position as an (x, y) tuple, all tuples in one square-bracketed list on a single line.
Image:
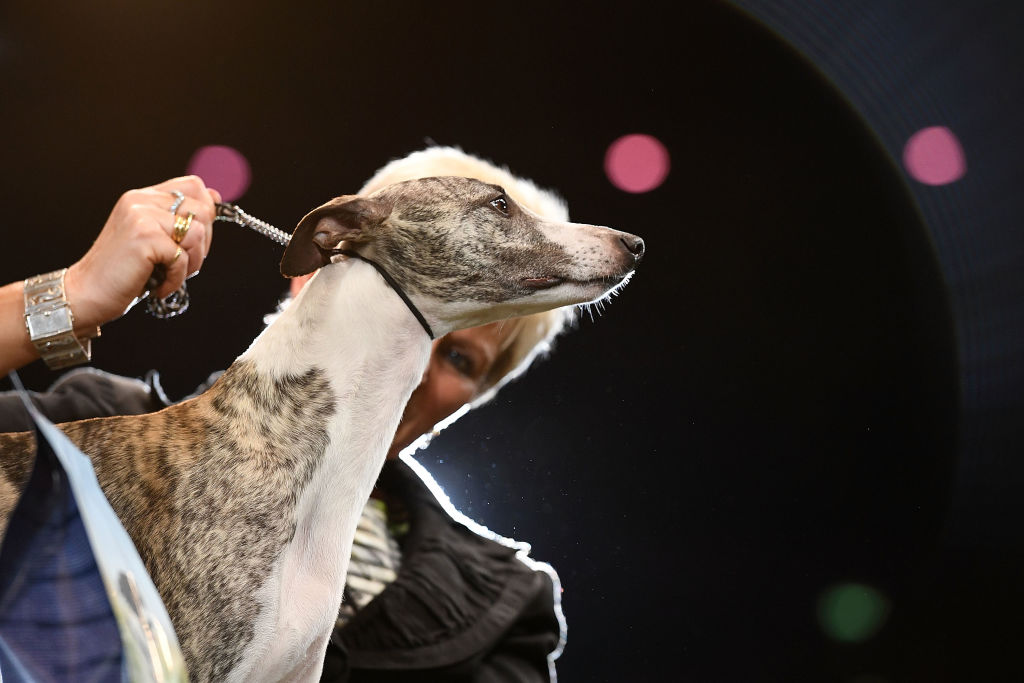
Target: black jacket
[(466, 606)]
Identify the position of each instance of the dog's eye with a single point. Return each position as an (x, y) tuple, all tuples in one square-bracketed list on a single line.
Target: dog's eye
[(501, 205)]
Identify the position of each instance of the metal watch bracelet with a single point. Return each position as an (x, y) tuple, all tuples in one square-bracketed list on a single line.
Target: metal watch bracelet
[(51, 324)]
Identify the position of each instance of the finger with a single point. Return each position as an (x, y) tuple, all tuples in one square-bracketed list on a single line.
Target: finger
[(204, 210), (189, 185), (157, 226), (175, 260), (195, 241), (216, 198), (164, 198), (153, 221), (194, 244)]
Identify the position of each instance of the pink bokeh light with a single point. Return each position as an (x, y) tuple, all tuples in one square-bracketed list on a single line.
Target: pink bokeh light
[(934, 156), (223, 168), (636, 163)]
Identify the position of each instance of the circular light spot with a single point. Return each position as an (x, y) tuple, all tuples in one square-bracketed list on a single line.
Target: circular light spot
[(934, 156), (852, 612), (636, 163), (222, 168)]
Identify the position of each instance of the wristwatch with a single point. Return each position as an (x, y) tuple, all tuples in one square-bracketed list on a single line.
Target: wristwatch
[(51, 324)]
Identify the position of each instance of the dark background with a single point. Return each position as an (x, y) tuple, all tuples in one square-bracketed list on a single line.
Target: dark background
[(814, 378)]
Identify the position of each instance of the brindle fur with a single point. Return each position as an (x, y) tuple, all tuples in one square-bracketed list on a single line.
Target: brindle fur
[(173, 476), (450, 267), (231, 497)]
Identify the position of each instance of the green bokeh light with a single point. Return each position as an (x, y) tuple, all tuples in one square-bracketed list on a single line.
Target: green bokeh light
[(852, 612)]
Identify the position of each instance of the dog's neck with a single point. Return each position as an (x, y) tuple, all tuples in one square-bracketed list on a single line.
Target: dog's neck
[(335, 326), (349, 325)]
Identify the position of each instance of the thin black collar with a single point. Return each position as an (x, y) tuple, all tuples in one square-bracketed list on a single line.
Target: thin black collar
[(394, 285)]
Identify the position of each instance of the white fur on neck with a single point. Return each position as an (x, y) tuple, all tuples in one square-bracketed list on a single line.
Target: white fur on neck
[(348, 322)]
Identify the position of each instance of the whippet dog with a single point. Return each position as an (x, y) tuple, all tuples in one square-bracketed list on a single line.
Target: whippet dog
[(243, 501)]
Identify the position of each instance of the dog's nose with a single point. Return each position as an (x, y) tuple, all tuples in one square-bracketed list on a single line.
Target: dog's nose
[(634, 245)]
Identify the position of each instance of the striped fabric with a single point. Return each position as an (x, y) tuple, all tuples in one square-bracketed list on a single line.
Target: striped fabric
[(376, 559)]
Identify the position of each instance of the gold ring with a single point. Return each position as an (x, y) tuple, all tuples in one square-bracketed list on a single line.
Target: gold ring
[(177, 255), (181, 226)]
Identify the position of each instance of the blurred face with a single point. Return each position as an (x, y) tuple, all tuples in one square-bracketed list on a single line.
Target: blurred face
[(459, 363)]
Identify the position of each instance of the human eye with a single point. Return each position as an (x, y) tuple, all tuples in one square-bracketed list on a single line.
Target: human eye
[(462, 362)]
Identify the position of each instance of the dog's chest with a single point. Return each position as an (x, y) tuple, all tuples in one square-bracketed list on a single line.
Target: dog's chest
[(301, 596), (308, 462), (241, 510)]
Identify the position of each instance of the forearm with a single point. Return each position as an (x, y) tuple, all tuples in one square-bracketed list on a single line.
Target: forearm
[(17, 347)]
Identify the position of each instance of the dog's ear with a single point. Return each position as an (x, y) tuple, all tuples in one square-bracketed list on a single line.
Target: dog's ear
[(349, 217)]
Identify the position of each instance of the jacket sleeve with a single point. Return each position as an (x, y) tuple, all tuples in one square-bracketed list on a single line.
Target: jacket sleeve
[(79, 395), (525, 653)]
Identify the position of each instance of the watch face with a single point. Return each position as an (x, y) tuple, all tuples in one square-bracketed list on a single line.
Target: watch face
[(50, 323)]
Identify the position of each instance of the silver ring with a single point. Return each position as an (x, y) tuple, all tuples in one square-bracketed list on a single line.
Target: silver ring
[(179, 197)]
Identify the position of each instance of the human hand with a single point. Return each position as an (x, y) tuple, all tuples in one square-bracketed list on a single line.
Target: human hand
[(136, 237)]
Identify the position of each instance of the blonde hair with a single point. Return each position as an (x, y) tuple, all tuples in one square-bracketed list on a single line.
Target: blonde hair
[(533, 335)]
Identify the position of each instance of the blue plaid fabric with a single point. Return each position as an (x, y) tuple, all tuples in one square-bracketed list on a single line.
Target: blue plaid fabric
[(56, 623)]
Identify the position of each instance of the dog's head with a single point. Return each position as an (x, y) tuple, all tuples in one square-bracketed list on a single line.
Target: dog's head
[(464, 251)]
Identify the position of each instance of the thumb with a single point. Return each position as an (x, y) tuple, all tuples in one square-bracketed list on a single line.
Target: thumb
[(176, 267)]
